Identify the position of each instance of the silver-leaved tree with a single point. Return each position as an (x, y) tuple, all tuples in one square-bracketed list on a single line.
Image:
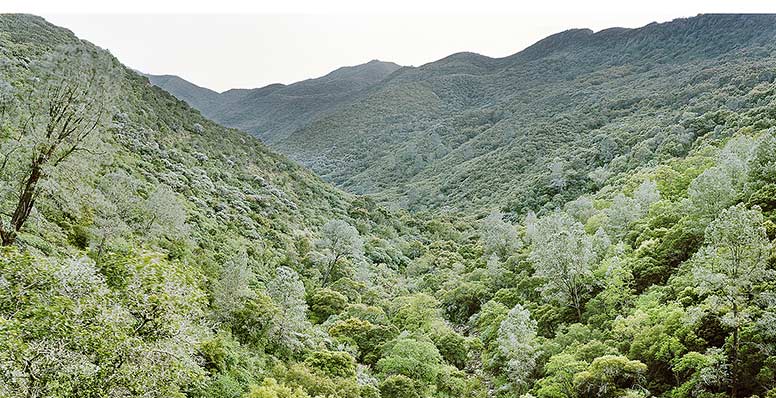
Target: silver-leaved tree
[(517, 343), (339, 240), (47, 118), (562, 254), (731, 266)]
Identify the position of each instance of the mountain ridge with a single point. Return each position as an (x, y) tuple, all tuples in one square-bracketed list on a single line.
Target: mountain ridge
[(275, 110), (443, 115), (571, 75)]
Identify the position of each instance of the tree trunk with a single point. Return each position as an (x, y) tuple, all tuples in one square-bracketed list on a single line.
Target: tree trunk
[(328, 270), (24, 205), (576, 302), (734, 372), (8, 237), (99, 250)]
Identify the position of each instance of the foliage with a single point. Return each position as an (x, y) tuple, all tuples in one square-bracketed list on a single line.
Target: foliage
[(632, 254), (563, 256), (369, 338), (325, 303), (398, 386), (419, 360), (332, 363), (610, 376), (270, 388)]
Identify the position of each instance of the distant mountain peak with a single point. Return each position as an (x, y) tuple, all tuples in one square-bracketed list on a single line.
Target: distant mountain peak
[(278, 109), (373, 69), (556, 42), (196, 96), (377, 61)]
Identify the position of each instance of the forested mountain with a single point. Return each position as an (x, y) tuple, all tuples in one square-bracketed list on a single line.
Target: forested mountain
[(274, 111), (127, 218), (520, 132), (527, 131), (197, 97), (149, 252)]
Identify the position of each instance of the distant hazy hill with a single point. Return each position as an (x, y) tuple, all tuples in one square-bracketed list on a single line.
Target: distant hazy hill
[(276, 110), (524, 131), (519, 132), (196, 96)]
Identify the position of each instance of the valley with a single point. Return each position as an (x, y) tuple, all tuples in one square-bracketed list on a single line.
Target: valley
[(593, 216)]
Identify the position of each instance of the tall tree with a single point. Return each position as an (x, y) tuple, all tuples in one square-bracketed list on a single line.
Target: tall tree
[(581, 208), (562, 254), (340, 240), (558, 175), (646, 194), (621, 214), (516, 341), (498, 236), (530, 225), (711, 192), (232, 289), (162, 214), (46, 120), (290, 324), (730, 266)]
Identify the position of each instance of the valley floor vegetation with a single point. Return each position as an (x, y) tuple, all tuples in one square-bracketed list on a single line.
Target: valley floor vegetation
[(149, 252)]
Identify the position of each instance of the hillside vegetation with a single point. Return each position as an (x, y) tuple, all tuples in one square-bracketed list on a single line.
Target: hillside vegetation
[(149, 252), (274, 111), (525, 132), (544, 125)]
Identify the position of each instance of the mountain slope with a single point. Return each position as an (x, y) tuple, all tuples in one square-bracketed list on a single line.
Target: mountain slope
[(525, 131), (160, 140), (197, 97), (172, 257), (274, 111), (135, 239)]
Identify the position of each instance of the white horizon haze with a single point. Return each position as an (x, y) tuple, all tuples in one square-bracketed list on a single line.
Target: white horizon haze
[(232, 44)]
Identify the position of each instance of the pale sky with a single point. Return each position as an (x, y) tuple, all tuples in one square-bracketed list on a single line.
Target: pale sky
[(230, 43)]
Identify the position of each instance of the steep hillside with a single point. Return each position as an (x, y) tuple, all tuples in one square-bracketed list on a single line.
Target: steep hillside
[(274, 111), (526, 131), (148, 252), (154, 139), (153, 218), (197, 97)]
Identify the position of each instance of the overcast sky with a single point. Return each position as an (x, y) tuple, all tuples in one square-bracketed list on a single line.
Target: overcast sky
[(228, 44)]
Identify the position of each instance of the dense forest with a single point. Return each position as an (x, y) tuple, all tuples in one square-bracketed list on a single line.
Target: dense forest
[(628, 251), (273, 112), (537, 128)]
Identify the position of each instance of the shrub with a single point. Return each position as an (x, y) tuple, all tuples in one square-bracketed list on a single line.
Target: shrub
[(609, 376), (332, 363), (270, 388), (453, 347), (367, 336), (325, 303), (398, 386), (418, 360)]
